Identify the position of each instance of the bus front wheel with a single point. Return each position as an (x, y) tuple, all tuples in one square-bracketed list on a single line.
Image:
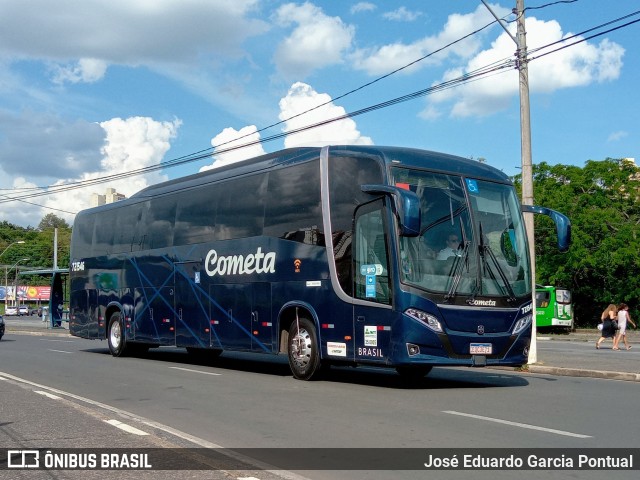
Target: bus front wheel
[(115, 336), (303, 353)]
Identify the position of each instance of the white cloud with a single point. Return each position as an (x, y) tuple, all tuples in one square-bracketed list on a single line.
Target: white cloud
[(86, 70), (302, 97), (130, 144), (617, 136), (402, 15), (317, 40), (231, 137), (362, 7), (579, 65), (158, 32), (381, 60)]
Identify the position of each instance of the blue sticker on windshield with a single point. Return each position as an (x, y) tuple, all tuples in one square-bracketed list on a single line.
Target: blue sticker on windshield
[(472, 186)]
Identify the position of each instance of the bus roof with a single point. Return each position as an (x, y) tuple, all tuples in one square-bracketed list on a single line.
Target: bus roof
[(396, 156)]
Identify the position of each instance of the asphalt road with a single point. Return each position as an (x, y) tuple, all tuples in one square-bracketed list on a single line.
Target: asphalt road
[(247, 401)]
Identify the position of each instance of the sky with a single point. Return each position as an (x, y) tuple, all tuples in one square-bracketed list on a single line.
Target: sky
[(98, 88)]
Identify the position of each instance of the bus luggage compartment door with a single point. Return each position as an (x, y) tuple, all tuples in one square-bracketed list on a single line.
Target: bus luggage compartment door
[(154, 315), (241, 315)]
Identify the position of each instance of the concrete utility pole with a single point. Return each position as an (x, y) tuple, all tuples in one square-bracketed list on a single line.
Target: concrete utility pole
[(525, 148)]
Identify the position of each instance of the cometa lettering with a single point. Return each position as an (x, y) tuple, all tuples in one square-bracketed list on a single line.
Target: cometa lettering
[(240, 264)]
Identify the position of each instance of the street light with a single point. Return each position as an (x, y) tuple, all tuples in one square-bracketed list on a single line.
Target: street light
[(8, 247), (6, 295), (6, 286)]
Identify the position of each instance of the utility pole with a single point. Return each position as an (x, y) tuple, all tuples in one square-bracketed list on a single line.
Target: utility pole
[(525, 149)]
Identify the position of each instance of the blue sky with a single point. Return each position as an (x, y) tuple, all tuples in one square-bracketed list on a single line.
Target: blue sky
[(94, 88)]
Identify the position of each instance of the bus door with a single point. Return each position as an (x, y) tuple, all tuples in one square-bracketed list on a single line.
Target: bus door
[(155, 320), (372, 320), (192, 317), (241, 315)]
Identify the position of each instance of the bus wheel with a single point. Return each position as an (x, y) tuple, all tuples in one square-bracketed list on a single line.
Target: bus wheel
[(413, 373), (304, 356), (115, 336)]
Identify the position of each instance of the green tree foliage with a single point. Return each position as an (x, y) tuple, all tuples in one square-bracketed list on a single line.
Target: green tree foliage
[(37, 247), (603, 264)]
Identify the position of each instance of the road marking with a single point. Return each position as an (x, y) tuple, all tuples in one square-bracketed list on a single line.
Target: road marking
[(196, 371), (58, 351), (517, 424), (157, 425), (47, 394), (52, 340), (125, 427)]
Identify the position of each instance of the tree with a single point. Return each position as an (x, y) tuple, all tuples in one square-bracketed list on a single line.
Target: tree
[(603, 263), (51, 221)]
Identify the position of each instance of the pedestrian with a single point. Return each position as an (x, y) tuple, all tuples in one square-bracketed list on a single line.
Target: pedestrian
[(623, 318), (608, 318)]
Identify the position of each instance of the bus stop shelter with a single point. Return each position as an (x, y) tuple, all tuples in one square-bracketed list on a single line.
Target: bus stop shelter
[(57, 297)]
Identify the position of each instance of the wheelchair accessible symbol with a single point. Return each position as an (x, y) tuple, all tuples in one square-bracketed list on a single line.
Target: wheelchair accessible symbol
[(472, 186)]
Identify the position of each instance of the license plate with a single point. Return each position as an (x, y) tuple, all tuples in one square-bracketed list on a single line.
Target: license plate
[(481, 349)]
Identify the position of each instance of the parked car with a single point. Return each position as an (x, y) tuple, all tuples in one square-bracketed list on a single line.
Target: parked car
[(1, 327), (11, 311), (23, 310)]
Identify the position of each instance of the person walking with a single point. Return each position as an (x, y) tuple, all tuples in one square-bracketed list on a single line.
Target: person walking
[(609, 315), (623, 318)]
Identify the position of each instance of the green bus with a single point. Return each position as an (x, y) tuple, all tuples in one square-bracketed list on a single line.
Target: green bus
[(553, 308)]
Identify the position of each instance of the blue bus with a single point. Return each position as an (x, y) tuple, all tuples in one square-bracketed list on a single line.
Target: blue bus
[(345, 255)]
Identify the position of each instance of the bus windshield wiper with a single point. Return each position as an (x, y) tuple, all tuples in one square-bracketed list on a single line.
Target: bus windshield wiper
[(486, 249), (507, 285), (459, 262)]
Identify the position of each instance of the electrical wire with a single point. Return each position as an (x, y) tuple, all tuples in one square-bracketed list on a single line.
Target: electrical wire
[(491, 69)]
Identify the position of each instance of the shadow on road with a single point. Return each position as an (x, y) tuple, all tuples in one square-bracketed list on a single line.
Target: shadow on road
[(439, 378)]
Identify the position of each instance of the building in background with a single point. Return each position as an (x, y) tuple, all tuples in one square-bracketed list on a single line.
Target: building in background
[(110, 196)]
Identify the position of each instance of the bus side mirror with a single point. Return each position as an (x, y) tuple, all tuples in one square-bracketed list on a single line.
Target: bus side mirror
[(406, 205), (563, 224)]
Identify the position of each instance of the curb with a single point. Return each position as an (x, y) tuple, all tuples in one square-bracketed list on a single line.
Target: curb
[(49, 332), (579, 372)]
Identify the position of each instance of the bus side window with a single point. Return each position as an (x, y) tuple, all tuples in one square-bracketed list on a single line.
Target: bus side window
[(371, 263)]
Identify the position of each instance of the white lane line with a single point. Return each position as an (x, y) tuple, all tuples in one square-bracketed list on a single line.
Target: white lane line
[(58, 351), (517, 424), (125, 427), (47, 394), (54, 340), (196, 371)]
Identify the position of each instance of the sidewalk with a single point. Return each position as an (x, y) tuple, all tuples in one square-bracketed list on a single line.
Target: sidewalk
[(587, 362)]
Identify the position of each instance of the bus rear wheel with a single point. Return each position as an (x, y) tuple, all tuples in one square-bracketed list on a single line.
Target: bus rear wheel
[(115, 336), (303, 352)]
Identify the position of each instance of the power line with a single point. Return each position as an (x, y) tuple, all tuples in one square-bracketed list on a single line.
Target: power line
[(487, 70)]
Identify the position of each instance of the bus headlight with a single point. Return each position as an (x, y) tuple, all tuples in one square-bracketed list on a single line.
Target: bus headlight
[(429, 320), (522, 324)]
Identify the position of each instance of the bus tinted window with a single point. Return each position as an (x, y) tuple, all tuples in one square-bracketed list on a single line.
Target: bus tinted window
[(83, 235), (241, 207), (346, 174), (160, 221), (103, 232), (196, 215), (293, 208)]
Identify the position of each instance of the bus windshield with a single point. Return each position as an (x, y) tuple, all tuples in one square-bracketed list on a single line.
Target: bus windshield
[(472, 240)]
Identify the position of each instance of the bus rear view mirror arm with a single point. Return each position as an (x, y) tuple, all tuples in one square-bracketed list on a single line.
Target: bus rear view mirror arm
[(406, 205), (563, 224)]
